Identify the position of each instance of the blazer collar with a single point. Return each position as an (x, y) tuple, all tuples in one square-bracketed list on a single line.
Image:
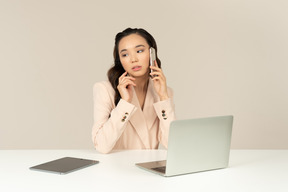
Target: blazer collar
[(147, 116)]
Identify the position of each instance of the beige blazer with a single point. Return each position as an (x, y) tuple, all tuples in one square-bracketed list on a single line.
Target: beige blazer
[(126, 126)]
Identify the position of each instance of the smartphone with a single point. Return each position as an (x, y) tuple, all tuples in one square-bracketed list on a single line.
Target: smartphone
[(152, 56)]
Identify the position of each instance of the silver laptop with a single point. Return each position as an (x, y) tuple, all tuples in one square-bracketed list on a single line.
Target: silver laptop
[(195, 145)]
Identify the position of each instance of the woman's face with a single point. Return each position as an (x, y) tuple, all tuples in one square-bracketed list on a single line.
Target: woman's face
[(134, 55)]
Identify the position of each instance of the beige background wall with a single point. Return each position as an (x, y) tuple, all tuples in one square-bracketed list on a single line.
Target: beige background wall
[(220, 57)]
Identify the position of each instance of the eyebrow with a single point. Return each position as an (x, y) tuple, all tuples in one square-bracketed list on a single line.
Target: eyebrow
[(135, 47)]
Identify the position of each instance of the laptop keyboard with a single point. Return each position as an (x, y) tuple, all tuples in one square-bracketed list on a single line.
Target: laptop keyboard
[(160, 169)]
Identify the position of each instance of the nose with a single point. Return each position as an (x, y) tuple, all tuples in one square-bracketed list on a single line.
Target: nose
[(134, 58)]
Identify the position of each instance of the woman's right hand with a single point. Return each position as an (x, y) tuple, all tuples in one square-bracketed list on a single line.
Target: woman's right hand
[(125, 87)]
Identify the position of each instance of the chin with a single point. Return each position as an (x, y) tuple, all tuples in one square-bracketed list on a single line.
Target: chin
[(139, 74)]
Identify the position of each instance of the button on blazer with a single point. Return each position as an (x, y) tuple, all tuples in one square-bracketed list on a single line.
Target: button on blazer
[(127, 126)]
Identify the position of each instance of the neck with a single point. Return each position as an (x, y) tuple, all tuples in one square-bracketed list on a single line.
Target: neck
[(141, 84)]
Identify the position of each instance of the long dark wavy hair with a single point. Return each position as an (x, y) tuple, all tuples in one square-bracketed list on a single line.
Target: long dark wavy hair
[(117, 69)]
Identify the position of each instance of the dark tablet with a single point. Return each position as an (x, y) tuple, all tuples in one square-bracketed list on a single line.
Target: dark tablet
[(64, 165)]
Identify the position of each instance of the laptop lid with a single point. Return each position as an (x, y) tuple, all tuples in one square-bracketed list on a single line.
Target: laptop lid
[(198, 145), (195, 145)]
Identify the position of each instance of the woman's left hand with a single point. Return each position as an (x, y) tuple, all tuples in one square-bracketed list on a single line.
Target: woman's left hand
[(159, 80)]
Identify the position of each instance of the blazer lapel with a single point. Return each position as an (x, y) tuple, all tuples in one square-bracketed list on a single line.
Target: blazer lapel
[(139, 123), (148, 110)]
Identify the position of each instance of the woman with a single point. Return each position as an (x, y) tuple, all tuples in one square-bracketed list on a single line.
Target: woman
[(132, 110)]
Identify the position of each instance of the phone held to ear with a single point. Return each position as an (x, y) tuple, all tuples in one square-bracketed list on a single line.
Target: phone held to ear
[(152, 57)]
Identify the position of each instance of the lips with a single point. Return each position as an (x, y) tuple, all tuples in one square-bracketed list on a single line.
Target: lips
[(136, 68)]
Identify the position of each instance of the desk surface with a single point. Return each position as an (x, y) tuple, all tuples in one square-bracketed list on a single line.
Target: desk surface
[(249, 170)]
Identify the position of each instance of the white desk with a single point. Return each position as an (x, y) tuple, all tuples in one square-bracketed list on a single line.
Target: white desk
[(249, 171)]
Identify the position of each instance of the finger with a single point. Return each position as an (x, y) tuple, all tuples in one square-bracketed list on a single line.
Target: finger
[(155, 73), (155, 68), (127, 82), (156, 64), (157, 78), (123, 75), (131, 83), (126, 78)]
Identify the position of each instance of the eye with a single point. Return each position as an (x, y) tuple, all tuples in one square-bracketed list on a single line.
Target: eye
[(124, 55), (140, 51)]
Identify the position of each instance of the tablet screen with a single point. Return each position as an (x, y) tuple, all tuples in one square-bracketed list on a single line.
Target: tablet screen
[(64, 165)]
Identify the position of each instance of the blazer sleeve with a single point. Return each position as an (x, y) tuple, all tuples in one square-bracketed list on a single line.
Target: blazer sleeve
[(165, 111), (109, 121)]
